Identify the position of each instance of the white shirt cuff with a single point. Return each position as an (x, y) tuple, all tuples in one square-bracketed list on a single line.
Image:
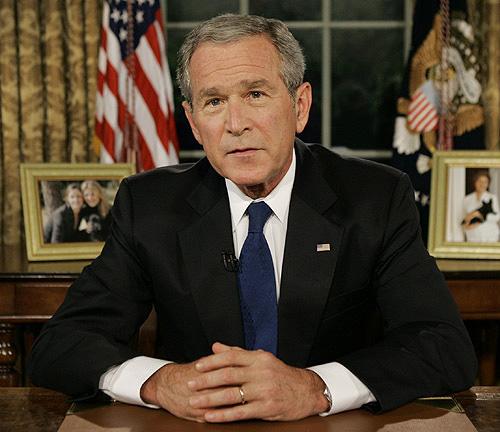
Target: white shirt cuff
[(347, 391), (123, 382)]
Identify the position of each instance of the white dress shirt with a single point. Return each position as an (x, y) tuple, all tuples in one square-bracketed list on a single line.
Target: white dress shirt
[(123, 382)]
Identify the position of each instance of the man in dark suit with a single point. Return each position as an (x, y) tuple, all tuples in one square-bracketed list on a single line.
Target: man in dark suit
[(344, 244)]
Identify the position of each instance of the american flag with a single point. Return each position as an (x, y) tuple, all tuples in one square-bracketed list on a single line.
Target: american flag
[(423, 110), (134, 105)]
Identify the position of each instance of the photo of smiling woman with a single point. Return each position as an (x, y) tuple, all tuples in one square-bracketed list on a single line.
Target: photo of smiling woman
[(95, 219), (480, 211), (63, 224), (77, 210)]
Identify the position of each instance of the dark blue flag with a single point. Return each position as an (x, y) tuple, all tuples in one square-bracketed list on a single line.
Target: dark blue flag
[(416, 134)]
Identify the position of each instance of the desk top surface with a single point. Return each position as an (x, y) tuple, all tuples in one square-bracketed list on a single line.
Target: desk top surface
[(35, 409), (15, 265)]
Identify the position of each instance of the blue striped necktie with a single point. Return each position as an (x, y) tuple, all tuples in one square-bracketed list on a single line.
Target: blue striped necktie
[(258, 302)]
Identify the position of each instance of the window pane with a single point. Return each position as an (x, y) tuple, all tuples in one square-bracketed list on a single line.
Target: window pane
[(347, 10), (186, 138), (366, 71), (287, 10), (196, 10), (310, 40)]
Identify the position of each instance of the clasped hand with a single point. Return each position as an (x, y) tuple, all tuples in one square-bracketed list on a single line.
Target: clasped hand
[(208, 390)]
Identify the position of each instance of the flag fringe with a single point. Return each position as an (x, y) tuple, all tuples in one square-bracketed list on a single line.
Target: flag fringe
[(427, 56), (467, 118)]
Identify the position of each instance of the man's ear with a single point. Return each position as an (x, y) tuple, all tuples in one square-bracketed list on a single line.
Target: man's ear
[(303, 101), (189, 114)]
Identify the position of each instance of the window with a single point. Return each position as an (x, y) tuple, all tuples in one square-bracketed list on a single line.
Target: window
[(355, 52)]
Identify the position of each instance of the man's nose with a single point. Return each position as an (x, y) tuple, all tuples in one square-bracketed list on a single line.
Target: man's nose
[(237, 119)]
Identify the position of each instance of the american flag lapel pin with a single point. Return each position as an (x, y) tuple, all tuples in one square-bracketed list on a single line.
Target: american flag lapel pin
[(323, 247)]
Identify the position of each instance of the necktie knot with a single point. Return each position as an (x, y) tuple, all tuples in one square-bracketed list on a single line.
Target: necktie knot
[(258, 213)]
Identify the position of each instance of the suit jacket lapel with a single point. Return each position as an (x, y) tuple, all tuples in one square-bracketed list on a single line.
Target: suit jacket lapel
[(307, 272), (214, 289)]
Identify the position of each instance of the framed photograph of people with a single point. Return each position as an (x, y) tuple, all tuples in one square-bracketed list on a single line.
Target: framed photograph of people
[(67, 208), (464, 211)]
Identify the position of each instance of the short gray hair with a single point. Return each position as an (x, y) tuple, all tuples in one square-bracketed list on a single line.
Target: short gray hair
[(231, 28)]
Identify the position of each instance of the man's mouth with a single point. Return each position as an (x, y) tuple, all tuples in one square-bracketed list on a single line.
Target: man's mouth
[(243, 151)]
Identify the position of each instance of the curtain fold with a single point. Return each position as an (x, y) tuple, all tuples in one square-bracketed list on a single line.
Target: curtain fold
[(9, 86), (47, 92)]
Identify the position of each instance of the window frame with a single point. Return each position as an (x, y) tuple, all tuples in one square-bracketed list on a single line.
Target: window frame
[(326, 25)]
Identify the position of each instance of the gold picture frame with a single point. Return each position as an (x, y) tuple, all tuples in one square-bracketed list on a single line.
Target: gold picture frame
[(464, 216), (47, 209)]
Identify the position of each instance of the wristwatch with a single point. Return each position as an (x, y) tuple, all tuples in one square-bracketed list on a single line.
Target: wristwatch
[(328, 397)]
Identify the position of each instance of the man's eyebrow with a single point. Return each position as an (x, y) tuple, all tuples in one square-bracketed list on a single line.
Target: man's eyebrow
[(245, 84), (209, 92), (255, 84)]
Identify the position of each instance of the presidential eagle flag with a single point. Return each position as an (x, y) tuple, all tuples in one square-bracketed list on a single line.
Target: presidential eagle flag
[(416, 129), (134, 105)]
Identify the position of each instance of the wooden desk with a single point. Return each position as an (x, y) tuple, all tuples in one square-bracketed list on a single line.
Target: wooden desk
[(40, 410), (475, 286), (31, 292), (31, 409)]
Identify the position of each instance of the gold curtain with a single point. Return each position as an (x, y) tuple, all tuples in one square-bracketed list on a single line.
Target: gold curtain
[(492, 90), (485, 16), (48, 61)]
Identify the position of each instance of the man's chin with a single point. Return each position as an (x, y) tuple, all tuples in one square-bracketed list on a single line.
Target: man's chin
[(252, 187), (244, 184)]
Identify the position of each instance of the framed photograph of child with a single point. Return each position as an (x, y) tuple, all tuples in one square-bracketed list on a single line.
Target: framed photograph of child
[(464, 210), (67, 208)]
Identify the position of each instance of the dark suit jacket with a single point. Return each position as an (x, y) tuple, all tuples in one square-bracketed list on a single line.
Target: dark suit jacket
[(170, 227)]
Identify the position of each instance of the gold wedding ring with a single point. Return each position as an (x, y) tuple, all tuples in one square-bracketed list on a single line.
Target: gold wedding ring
[(242, 395)]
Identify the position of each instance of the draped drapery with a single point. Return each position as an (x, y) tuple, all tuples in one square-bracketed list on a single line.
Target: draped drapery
[(485, 20), (48, 61)]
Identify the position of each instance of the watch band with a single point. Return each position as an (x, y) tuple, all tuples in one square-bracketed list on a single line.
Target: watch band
[(328, 397)]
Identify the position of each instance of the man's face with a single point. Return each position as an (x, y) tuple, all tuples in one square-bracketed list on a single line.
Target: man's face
[(242, 113)]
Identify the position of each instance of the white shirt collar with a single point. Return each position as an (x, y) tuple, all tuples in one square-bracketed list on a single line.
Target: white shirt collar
[(278, 200)]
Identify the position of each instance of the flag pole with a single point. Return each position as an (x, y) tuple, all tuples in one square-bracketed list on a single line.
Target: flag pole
[(445, 140), (131, 142)]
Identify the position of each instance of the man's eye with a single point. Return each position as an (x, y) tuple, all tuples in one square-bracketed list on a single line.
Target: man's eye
[(214, 102), (256, 94)]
